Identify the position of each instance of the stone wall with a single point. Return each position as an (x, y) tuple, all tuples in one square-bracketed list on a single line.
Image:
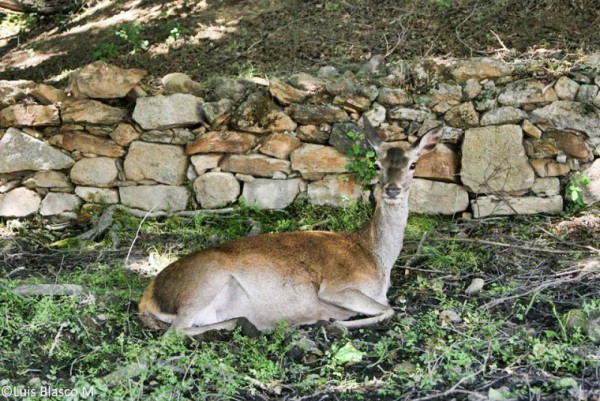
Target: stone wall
[(512, 133)]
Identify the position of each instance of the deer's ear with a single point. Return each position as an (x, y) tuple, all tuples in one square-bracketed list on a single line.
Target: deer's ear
[(429, 140), (372, 135)]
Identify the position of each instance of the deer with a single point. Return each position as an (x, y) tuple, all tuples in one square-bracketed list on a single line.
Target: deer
[(300, 277)]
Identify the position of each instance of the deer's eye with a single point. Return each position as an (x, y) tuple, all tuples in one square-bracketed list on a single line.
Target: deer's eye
[(413, 166)]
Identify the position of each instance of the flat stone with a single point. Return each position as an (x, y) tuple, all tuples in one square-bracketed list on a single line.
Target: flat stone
[(404, 113), (565, 115), (549, 168), (12, 92), (271, 194), (441, 164), (307, 82), (103, 81), (222, 142), (19, 152), (178, 82), (217, 113), (591, 192), (312, 134), (492, 206), (528, 91), (503, 115), (434, 197), (480, 68), (462, 116), (317, 114), (556, 141), (124, 134), (336, 190), (312, 161), (166, 164), (19, 202), (155, 197), (549, 186), (47, 94), (258, 114), (494, 160), (286, 93), (162, 112), (86, 143), (48, 179), (393, 97), (214, 190), (566, 88), (95, 172), (471, 89), (340, 140), (97, 195), (202, 163), (255, 165), (279, 145), (22, 115), (57, 203), (87, 111), (530, 129)]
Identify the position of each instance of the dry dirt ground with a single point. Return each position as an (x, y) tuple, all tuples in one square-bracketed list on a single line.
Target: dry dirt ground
[(217, 37)]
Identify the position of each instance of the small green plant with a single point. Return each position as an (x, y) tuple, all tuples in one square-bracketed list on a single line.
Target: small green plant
[(575, 192), (131, 32), (106, 52), (176, 31), (363, 161)]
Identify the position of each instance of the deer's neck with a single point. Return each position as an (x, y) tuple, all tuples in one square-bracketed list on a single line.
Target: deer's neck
[(384, 234)]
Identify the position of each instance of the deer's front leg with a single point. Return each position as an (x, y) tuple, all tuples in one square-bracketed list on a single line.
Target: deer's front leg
[(356, 301)]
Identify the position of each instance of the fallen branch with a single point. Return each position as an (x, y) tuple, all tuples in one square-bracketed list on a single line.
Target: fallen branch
[(48, 289), (493, 243)]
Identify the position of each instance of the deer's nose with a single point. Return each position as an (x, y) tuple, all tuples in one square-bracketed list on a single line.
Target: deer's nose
[(392, 191)]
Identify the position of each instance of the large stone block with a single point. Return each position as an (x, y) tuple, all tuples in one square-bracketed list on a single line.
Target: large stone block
[(23, 115), (462, 116), (155, 197), (86, 143), (434, 197), (280, 145), (494, 160), (19, 202), (222, 142), (313, 161), (335, 190), (104, 81), (480, 68), (166, 164), (256, 165), (98, 195), (528, 91), (57, 203), (95, 172), (565, 115), (162, 112), (19, 151), (214, 190), (271, 194), (493, 206), (87, 111)]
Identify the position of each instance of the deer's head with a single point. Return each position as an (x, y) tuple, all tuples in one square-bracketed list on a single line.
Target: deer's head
[(396, 163)]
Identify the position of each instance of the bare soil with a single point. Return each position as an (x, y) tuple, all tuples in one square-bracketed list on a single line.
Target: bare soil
[(230, 37)]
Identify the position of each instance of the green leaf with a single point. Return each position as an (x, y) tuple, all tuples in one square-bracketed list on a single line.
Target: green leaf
[(348, 354)]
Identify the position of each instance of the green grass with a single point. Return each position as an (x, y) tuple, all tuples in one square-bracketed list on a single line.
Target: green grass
[(75, 341)]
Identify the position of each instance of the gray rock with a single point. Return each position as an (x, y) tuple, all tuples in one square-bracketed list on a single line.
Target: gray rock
[(255, 164), (493, 206), (374, 66), (566, 88), (376, 115), (503, 115), (462, 116), (328, 72), (48, 179), (214, 190), (340, 140), (526, 91), (591, 192), (202, 163), (307, 82), (227, 88), (435, 197), (216, 113), (494, 160), (471, 89), (564, 115), (57, 203), (404, 113), (166, 164), (97, 195), (480, 68), (271, 194), (19, 152), (475, 287), (161, 112), (393, 97), (317, 114), (19, 202), (587, 93), (549, 186), (178, 82), (95, 172), (336, 190), (155, 197)]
